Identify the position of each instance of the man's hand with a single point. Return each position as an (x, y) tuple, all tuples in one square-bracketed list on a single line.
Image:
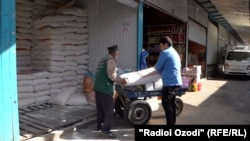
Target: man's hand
[(124, 81)]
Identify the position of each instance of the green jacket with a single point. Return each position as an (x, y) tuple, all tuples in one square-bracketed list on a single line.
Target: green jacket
[(102, 82)]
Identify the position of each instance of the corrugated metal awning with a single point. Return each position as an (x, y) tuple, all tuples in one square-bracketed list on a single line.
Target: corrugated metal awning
[(216, 17)]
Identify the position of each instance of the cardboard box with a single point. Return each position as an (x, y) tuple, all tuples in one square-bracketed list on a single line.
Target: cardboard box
[(149, 87)]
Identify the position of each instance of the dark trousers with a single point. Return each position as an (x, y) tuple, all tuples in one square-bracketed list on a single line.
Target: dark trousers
[(104, 110), (168, 103)]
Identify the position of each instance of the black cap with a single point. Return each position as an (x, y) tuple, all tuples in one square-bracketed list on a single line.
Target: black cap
[(113, 48)]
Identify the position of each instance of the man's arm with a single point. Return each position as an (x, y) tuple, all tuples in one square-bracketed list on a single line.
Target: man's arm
[(112, 71)]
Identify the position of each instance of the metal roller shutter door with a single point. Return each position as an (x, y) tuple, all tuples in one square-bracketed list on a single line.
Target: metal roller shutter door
[(176, 8), (197, 33)]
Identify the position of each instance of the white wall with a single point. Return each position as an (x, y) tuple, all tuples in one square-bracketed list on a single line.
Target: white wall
[(111, 23), (212, 45)]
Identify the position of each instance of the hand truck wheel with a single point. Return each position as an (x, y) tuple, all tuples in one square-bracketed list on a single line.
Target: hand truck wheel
[(179, 106), (137, 112)]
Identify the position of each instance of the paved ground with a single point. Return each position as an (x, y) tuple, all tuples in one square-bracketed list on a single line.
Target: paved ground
[(219, 102)]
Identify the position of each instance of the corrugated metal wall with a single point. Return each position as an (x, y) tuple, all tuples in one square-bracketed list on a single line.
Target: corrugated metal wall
[(111, 23)]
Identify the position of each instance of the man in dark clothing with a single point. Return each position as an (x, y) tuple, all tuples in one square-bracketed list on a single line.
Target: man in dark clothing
[(105, 77)]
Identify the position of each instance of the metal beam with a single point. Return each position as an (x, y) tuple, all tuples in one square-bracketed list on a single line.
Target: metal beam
[(9, 123)]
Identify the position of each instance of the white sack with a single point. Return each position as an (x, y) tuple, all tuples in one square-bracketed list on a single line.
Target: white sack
[(42, 99), (62, 98), (82, 72), (48, 52), (72, 11), (48, 47), (82, 30), (23, 13), (48, 68), (71, 63), (51, 18), (67, 73), (23, 6), (55, 80), (24, 68), (24, 42), (23, 58), (135, 79), (25, 101), (23, 47), (42, 74), (48, 63), (77, 99), (24, 76), (23, 24), (23, 52), (82, 62), (61, 42), (41, 87), (69, 68), (24, 82), (70, 78), (55, 91), (23, 62), (56, 75), (70, 83), (25, 89), (25, 95), (42, 93), (23, 30), (24, 36), (54, 57), (76, 47), (40, 81)]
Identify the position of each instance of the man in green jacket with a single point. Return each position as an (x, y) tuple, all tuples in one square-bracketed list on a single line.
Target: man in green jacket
[(105, 77)]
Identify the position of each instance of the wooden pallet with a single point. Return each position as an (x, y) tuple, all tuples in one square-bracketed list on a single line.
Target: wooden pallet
[(36, 120)]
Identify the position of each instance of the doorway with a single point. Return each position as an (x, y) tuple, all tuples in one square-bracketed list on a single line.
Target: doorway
[(197, 56), (157, 24)]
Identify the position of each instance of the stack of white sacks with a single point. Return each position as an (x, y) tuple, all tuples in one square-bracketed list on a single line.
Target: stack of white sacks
[(24, 17), (33, 88), (59, 53)]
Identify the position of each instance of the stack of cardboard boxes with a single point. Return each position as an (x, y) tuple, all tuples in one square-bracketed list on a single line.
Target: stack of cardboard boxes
[(193, 72)]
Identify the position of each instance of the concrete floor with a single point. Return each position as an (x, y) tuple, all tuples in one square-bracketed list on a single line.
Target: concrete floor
[(220, 102)]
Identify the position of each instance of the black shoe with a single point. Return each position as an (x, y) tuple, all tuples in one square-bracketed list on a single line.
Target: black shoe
[(98, 128), (109, 134)]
